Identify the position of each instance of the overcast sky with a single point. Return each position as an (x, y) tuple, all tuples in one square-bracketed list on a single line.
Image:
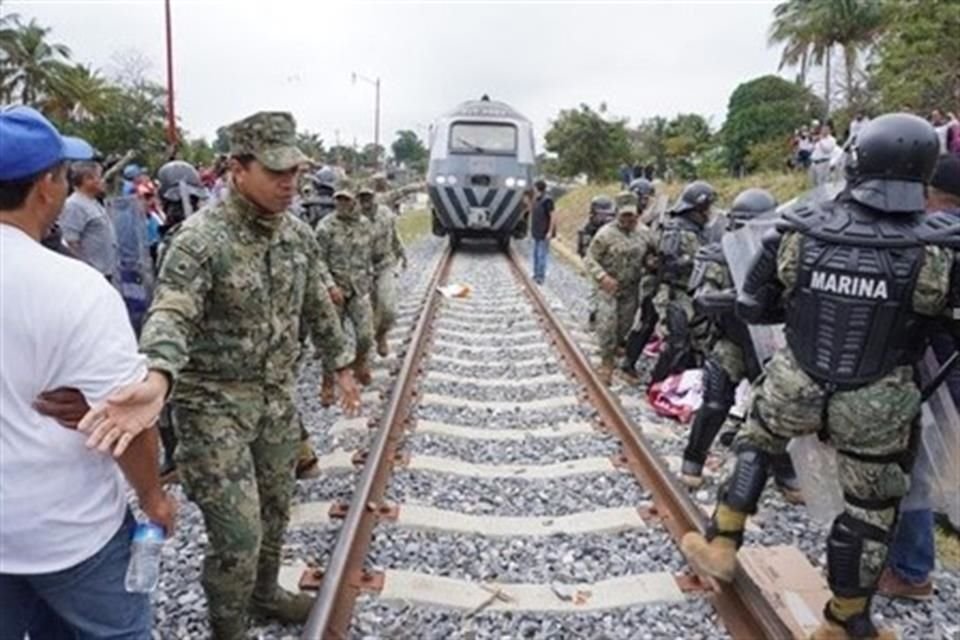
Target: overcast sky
[(234, 58)]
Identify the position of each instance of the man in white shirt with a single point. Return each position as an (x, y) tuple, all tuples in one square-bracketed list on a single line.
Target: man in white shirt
[(66, 526), (823, 152)]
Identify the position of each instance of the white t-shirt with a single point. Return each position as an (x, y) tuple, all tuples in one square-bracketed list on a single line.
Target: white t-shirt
[(61, 325), (824, 148)]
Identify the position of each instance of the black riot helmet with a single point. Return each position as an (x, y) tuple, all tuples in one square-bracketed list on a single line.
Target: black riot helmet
[(891, 160), (749, 204), (602, 206), (325, 177), (178, 179), (697, 196), (642, 187)]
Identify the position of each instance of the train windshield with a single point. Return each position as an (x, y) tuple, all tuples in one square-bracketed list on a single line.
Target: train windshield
[(483, 137)]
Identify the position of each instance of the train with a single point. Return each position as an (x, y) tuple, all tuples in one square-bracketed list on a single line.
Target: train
[(482, 161)]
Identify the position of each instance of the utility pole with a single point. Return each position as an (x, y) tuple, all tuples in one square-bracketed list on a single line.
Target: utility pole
[(376, 108), (171, 116)]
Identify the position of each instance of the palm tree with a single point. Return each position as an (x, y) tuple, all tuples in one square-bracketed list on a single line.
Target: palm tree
[(35, 61), (77, 91), (809, 30), (9, 23)]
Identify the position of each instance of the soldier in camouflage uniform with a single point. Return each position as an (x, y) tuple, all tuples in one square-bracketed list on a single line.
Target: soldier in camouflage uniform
[(237, 283), (730, 356), (681, 237), (346, 240), (859, 282), (616, 258), (387, 250)]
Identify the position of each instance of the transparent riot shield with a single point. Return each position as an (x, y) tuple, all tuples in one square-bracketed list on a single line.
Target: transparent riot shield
[(134, 265)]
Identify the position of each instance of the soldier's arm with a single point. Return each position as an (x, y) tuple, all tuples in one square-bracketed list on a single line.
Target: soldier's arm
[(595, 253), (396, 243), (390, 198), (321, 271), (182, 287), (320, 315), (712, 296), (773, 269)]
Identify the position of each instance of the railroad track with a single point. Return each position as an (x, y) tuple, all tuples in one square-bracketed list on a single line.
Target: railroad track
[(504, 491)]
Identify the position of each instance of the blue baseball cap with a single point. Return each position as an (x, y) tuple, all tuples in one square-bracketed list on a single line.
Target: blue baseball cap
[(29, 144)]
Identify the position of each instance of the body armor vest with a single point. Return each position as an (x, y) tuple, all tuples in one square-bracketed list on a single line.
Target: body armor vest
[(849, 317), (675, 271)]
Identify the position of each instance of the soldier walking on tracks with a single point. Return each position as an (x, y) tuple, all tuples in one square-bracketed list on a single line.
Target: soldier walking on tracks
[(858, 281), (236, 284), (616, 258), (387, 251), (346, 239)]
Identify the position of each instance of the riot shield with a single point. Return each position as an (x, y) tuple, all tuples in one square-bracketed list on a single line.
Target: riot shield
[(655, 212), (134, 265)]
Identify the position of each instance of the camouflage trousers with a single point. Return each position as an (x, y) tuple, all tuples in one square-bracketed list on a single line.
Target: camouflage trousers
[(729, 356), (870, 428), (384, 299), (241, 475), (614, 316), (357, 311)]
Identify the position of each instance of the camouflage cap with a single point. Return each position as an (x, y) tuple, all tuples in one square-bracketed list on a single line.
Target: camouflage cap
[(343, 193), (366, 190), (627, 202), (270, 137)]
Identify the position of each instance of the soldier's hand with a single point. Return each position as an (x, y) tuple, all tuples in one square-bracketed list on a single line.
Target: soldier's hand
[(114, 423), (609, 284), (66, 405), (336, 295), (349, 393), (161, 508), (403, 262)]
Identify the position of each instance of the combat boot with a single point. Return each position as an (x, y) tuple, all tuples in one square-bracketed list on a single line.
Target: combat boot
[(858, 627), (629, 374), (383, 347), (361, 370), (717, 557), (232, 628), (284, 606), (307, 466), (691, 480), (327, 391)]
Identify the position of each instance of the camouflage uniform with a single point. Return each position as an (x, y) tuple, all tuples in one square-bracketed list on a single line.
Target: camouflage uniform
[(680, 240), (236, 285), (621, 255), (346, 246), (387, 250)]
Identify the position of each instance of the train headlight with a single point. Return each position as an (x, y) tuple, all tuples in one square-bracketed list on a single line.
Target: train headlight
[(521, 182), (510, 182), (451, 179), (441, 179)]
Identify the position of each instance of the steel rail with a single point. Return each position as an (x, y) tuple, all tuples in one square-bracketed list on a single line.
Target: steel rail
[(741, 605), (332, 610)]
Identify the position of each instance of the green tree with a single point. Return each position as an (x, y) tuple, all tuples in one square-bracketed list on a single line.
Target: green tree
[(196, 151), (585, 142), (371, 155), (918, 58), (811, 29), (311, 144), (221, 143), (649, 142), (765, 109), (686, 138), (78, 91), (32, 62), (409, 150)]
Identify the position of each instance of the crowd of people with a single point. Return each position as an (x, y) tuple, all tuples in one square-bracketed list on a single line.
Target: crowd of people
[(863, 283), (189, 299)]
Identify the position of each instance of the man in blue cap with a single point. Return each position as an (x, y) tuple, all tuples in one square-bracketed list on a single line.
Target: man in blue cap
[(65, 536)]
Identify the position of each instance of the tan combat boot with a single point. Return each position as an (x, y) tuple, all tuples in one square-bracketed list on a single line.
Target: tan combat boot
[(383, 347), (327, 391), (717, 558), (855, 627), (361, 370)]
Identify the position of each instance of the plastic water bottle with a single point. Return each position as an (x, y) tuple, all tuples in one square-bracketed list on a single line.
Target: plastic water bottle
[(143, 572)]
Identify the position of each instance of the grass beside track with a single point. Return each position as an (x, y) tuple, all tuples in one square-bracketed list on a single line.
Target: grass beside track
[(413, 224), (572, 208)]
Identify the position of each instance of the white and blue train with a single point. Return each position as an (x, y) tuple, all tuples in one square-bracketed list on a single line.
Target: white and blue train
[(482, 161)]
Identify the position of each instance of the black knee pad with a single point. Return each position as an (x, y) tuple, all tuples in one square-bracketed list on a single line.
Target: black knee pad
[(677, 324), (845, 552), (742, 490), (718, 388)]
